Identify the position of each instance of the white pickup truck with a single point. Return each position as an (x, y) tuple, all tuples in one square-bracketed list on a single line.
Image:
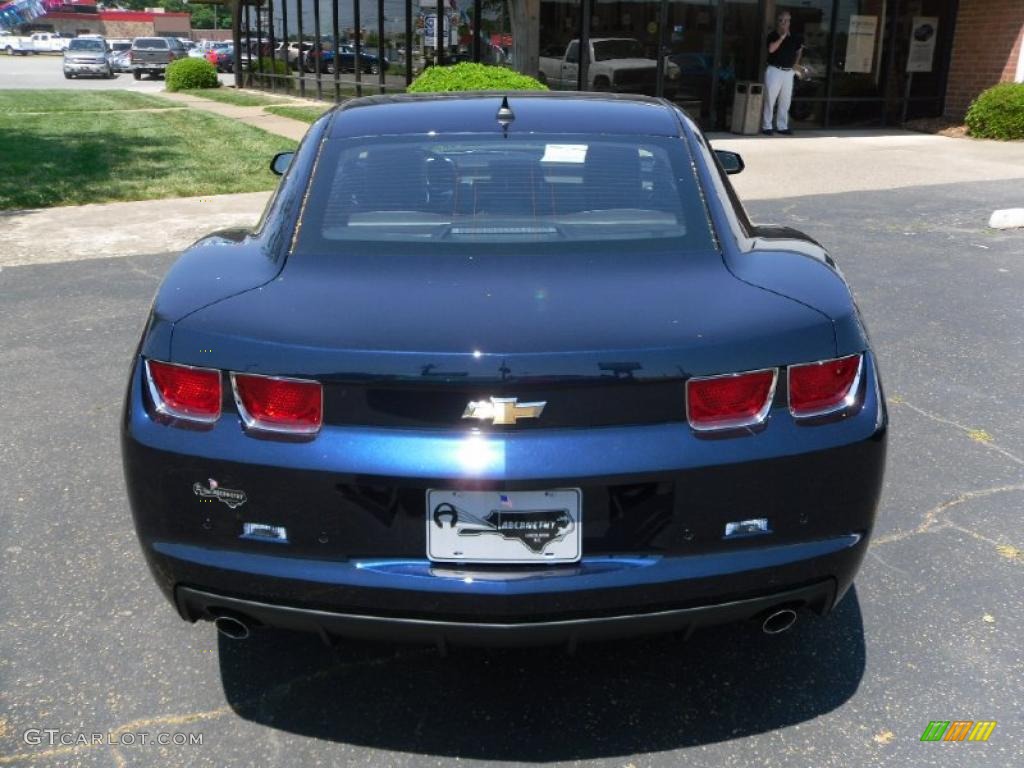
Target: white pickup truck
[(616, 64), (12, 44), (49, 42), (37, 42)]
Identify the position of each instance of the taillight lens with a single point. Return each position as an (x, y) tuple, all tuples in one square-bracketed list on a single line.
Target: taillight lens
[(274, 404), (817, 389), (731, 401), (184, 392)]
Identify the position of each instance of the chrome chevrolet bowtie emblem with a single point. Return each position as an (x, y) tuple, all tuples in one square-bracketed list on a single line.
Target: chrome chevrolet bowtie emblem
[(502, 410)]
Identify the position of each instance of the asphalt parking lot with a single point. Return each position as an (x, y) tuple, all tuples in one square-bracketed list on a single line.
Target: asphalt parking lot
[(932, 630), (46, 71)]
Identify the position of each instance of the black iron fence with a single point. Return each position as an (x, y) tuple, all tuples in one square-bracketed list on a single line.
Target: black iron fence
[(335, 49)]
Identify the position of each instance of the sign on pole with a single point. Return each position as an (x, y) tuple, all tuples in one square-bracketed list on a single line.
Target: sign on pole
[(923, 34)]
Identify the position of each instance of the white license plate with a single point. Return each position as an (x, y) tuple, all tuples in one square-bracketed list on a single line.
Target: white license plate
[(504, 527)]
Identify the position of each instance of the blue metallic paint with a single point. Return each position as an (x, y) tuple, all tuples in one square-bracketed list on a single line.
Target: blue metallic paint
[(769, 298)]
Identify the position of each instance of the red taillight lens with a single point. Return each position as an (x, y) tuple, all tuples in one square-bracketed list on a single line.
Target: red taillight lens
[(727, 402), (279, 405), (184, 392), (820, 388)]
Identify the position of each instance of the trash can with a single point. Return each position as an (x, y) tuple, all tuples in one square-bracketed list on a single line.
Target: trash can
[(747, 103)]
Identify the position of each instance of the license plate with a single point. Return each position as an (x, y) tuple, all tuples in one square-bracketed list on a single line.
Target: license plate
[(504, 527)]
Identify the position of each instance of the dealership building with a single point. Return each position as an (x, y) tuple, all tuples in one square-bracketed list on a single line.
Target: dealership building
[(864, 62)]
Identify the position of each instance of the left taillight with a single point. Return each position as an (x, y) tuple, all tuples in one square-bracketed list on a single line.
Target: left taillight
[(730, 402), (280, 405), (184, 392)]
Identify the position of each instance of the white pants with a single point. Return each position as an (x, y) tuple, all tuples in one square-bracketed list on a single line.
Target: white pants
[(778, 86)]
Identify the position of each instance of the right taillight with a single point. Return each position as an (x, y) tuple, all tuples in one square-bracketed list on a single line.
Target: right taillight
[(276, 404), (184, 392), (817, 389), (731, 401)]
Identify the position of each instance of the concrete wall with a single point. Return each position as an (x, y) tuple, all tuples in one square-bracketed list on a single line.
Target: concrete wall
[(986, 49)]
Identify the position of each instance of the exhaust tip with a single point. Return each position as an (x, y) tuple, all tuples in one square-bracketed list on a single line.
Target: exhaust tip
[(779, 621), (230, 627)]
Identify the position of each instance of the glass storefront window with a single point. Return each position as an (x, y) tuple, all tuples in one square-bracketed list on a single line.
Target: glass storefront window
[(692, 52)]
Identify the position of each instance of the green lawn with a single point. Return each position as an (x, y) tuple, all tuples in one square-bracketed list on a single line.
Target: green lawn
[(305, 114), (17, 102), (101, 157), (231, 96)]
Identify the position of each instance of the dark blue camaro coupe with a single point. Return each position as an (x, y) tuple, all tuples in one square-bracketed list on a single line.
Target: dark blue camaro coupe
[(504, 370)]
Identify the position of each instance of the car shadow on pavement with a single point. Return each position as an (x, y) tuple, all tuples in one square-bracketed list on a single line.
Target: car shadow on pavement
[(543, 705)]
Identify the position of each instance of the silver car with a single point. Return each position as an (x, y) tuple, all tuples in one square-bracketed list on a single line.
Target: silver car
[(87, 56)]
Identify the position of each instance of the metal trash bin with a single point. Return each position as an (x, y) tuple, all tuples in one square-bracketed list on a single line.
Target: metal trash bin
[(747, 103)]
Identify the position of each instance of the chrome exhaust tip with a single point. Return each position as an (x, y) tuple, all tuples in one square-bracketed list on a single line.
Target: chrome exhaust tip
[(230, 627), (779, 621)]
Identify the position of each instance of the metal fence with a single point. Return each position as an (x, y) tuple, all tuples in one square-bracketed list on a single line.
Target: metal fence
[(335, 49)]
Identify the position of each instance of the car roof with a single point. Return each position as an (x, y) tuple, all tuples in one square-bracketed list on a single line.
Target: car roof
[(534, 111)]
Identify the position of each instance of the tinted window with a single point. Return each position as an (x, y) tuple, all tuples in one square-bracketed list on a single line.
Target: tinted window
[(150, 42), (86, 45), (604, 50), (443, 193)]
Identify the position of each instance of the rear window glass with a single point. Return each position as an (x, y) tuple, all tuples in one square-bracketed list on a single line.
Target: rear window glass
[(443, 193), (150, 42)]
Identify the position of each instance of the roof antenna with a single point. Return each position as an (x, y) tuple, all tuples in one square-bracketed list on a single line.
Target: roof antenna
[(505, 115)]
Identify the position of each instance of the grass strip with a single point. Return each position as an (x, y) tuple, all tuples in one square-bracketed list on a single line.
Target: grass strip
[(95, 158), (13, 102), (305, 114)]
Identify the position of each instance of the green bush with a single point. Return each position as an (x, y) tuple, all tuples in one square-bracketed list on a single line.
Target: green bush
[(998, 113), (186, 74), (468, 76)]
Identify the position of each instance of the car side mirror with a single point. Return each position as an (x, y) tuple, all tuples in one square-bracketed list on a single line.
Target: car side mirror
[(731, 162), (281, 162)]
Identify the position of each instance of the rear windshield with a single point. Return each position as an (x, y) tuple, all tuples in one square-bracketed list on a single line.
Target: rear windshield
[(448, 193), (150, 42), (86, 45)]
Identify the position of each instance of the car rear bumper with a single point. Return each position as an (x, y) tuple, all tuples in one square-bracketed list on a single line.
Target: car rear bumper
[(655, 501), (195, 604)]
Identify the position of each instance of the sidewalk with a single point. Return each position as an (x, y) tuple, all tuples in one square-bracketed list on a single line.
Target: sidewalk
[(107, 230), (254, 116), (826, 162)]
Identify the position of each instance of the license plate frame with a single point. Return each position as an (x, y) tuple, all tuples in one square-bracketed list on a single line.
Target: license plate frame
[(504, 527)]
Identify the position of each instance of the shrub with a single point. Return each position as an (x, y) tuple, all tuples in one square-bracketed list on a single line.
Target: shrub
[(185, 74), (998, 113), (468, 76)]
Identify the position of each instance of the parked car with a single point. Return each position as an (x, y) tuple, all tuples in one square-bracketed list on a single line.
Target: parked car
[(151, 55), (49, 42), (120, 55), (87, 56), (21, 45), (291, 51), (616, 64), (121, 61), (504, 370), (222, 56), (369, 63)]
